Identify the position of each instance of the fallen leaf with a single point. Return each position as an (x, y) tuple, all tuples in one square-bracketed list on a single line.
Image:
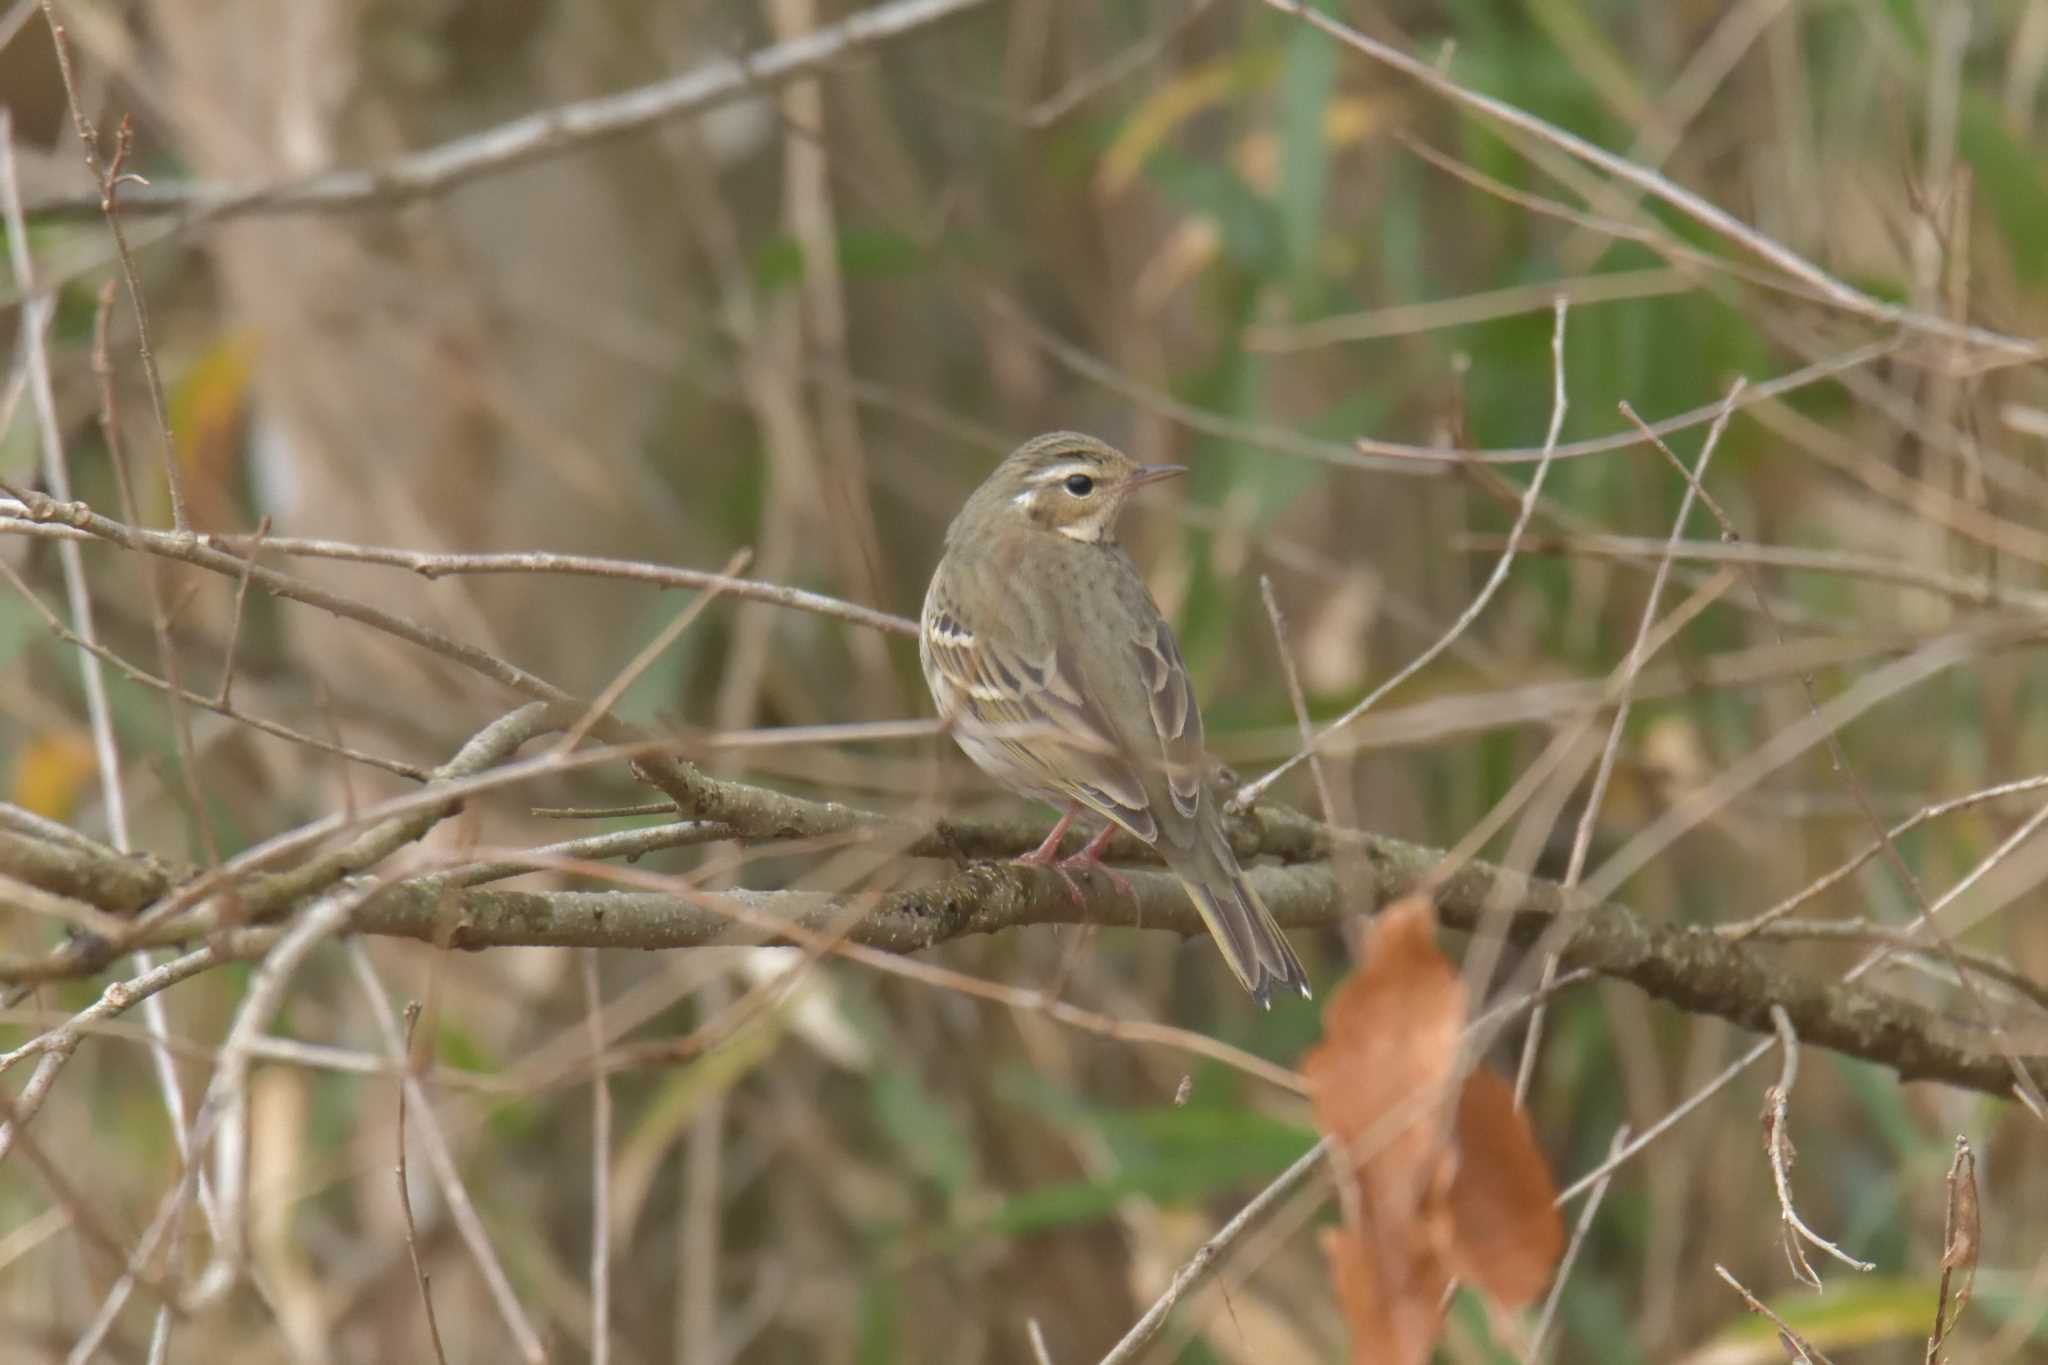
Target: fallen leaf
[(1503, 1204), (1430, 1191)]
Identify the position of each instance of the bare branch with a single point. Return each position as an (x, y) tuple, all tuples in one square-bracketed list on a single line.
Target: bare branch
[(546, 133)]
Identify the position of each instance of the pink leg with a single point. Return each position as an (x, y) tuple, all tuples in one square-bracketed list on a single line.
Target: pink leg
[(1090, 858), (1048, 852), (1092, 852)]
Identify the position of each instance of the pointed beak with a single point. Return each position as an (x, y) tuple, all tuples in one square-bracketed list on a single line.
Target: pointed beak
[(1155, 473)]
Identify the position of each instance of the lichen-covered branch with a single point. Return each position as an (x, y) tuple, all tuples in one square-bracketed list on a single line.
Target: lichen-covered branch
[(1694, 969)]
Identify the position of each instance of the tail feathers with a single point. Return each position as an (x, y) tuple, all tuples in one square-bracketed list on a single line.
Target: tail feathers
[(1251, 943)]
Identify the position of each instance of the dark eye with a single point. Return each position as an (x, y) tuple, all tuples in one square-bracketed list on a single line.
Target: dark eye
[(1080, 485)]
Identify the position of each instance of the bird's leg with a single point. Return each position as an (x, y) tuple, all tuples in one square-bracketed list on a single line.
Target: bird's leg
[(1047, 854), (1090, 859)]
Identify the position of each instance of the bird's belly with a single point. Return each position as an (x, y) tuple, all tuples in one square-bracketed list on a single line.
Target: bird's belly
[(1001, 762)]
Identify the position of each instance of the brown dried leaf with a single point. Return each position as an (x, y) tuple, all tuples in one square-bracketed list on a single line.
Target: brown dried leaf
[(1427, 1194), (1390, 1044), (1960, 1240), (1503, 1203)]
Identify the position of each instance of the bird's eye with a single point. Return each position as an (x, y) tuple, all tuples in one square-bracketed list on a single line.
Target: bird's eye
[(1080, 485)]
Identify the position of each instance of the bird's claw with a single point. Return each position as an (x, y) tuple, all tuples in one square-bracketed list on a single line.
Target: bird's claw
[(1052, 862), (1095, 864), (1089, 859)]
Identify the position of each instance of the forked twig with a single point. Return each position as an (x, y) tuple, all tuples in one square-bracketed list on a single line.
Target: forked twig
[(1778, 1148)]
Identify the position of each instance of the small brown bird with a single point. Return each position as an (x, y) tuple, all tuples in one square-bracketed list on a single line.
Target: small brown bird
[(1063, 681)]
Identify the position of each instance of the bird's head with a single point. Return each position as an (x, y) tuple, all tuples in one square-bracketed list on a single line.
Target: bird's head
[(1067, 484)]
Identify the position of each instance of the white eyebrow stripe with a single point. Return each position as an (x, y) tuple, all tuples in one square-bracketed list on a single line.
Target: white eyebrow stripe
[(1060, 472)]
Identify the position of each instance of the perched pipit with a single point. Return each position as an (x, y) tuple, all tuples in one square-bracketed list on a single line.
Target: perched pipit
[(1064, 683)]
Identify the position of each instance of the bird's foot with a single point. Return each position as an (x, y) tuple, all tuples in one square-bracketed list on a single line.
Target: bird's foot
[(1089, 859), (1047, 855), (1052, 862)]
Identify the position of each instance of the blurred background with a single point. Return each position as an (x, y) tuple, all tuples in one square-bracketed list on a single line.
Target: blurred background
[(806, 323)]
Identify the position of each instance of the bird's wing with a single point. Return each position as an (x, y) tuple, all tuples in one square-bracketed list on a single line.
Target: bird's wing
[(1043, 720), (1175, 717)]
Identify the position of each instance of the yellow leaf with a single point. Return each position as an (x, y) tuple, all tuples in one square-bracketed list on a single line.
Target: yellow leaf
[(52, 771), (207, 410)]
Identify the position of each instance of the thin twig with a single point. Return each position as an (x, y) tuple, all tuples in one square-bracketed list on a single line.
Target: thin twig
[(606, 812), (441, 564), (1198, 1266), (1709, 215), (2025, 1087), (1902, 939), (148, 568), (1404, 319), (231, 652), (644, 660), (36, 311), (1961, 1239), (548, 132), (110, 180), (1298, 699), (223, 1114), (1805, 377), (1778, 1148), (699, 1228), (600, 1167), (1793, 1342), (1980, 592), (440, 1156), (1251, 791), (1534, 1350), (406, 1074), (1632, 667), (190, 698)]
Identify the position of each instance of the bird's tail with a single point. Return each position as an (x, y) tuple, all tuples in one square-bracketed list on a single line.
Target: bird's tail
[(1252, 944)]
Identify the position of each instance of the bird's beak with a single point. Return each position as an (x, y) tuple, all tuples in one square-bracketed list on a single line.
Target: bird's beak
[(1154, 473)]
